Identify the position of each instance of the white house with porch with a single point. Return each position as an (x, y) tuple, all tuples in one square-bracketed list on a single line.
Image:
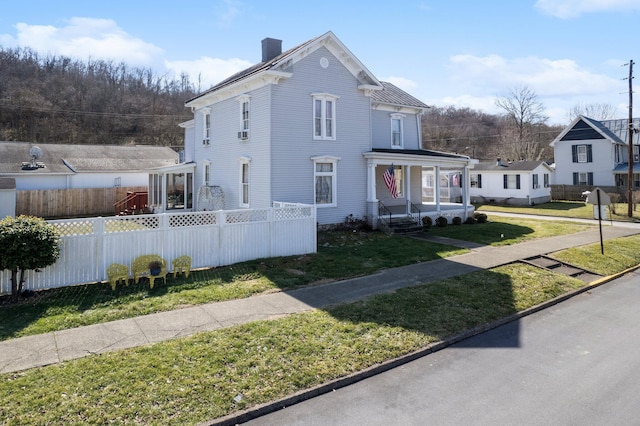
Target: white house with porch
[(311, 125)]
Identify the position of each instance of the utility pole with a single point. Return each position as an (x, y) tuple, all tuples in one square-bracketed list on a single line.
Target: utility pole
[(630, 141)]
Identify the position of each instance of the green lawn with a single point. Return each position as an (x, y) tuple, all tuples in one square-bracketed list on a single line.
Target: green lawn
[(212, 374), (572, 209)]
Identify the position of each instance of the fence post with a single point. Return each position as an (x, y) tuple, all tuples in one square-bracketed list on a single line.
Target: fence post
[(100, 261), (164, 227)]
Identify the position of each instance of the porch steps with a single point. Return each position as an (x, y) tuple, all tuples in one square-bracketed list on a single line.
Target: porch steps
[(551, 264), (404, 225)]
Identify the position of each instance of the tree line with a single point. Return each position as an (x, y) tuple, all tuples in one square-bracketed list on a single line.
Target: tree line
[(55, 99)]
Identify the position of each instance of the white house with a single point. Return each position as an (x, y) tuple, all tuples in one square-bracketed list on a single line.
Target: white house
[(518, 182), (311, 125), (596, 153)]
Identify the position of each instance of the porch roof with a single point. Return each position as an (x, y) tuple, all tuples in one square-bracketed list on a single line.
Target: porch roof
[(177, 168), (418, 157), (623, 168)]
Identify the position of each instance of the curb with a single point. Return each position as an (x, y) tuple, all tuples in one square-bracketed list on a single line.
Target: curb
[(270, 407)]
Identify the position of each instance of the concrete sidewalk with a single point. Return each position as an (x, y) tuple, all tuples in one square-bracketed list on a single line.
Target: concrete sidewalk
[(50, 348)]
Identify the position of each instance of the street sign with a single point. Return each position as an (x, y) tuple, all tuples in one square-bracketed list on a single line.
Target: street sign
[(604, 199)]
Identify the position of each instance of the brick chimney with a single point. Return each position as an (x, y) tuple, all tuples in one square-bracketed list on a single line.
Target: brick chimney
[(271, 48)]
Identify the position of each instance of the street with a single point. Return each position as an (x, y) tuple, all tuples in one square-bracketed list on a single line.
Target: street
[(575, 363)]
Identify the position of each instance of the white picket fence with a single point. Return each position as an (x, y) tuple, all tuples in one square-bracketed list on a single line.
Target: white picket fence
[(211, 238)]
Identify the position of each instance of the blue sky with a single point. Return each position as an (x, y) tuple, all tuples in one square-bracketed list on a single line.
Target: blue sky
[(462, 53)]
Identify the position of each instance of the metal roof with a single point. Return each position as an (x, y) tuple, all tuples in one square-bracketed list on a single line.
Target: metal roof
[(393, 95), (68, 159)]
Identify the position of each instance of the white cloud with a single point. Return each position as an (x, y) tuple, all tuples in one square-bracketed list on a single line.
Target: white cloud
[(403, 83), (227, 12), (207, 71), (565, 9), (494, 74), (85, 38)]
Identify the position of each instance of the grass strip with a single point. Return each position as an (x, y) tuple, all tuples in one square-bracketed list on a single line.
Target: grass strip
[(574, 209), (186, 381), (619, 254)]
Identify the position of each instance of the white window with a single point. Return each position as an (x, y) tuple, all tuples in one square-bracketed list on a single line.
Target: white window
[(324, 116), (536, 185), (245, 179), (325, 181), (206, 126), (546, 180), (396, 130), (244, 100), (582, 153), (583, 178), (206, 179), (476, 180)]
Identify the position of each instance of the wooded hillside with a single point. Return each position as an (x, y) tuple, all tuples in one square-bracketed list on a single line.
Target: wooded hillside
[(55, 99)]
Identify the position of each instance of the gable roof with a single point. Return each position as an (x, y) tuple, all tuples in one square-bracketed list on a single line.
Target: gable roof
[(519, 166), (69, 159), (278, 65), (585, 128)]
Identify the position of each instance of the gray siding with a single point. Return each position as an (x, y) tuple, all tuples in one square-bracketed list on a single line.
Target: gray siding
[(381, 126), (293, 143)]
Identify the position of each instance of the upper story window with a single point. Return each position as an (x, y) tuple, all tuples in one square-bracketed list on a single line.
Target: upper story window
[(206, 126), (396, 130), (245, 104), (581, 153), (324, 116), (325, 181)]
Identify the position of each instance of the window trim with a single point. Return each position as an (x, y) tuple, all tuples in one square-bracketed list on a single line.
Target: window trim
[(395, 117), (242, 162), (546, 180), (206, 126), (206, 175), (582, 157), (323, 98), (506, 181), (244, 131), (478, 180), (535, 181), (334, 181)]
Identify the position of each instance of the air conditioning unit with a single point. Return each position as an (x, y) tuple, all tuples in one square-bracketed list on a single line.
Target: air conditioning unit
[(205, 141), (536, 186), (636, 158), (243, 135)]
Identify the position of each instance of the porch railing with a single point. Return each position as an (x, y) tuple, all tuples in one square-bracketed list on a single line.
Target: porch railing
[(414, 212), (384, 213)]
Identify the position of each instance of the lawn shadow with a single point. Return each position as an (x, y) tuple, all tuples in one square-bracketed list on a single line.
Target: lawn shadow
[(490, 233), (440, 299)]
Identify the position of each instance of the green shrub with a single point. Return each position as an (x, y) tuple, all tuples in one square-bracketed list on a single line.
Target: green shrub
[(441, 221), (470, 220), (427, 222), (456, 220), (480, 217)]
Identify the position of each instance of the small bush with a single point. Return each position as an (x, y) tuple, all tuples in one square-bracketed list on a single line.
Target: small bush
[(480, 217), (470, 220), (427, 222), (456, 220), (441, 221)]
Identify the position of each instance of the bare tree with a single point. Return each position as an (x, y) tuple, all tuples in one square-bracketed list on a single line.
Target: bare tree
[(597, 111), (525, 117)]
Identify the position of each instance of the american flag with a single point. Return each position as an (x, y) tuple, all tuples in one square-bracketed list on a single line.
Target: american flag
[(390, 181)]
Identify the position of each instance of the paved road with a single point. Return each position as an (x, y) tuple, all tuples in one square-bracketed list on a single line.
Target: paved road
[(577, 363)]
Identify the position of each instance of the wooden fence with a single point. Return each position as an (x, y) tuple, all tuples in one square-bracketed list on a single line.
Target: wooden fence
[(212, 239), (52, 203)]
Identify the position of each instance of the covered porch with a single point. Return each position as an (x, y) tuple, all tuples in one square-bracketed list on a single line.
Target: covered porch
[(171, 188), (427, 183)]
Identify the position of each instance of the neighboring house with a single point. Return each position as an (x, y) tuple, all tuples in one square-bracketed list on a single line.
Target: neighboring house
[(518, 182), (589, 152), (65, 166), (311, 125)]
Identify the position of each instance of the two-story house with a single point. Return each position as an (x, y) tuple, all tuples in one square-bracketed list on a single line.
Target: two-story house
[(312, 125), (589, 152)]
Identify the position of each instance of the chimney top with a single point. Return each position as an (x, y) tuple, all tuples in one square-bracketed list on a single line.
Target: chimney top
[(271, 48)]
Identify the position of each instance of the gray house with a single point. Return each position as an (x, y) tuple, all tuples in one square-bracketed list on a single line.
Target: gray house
[(313, 125)]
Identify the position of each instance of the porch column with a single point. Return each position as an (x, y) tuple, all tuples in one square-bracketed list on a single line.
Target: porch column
[(465, 189), (407, 186), (437, 188), (372, 200)]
